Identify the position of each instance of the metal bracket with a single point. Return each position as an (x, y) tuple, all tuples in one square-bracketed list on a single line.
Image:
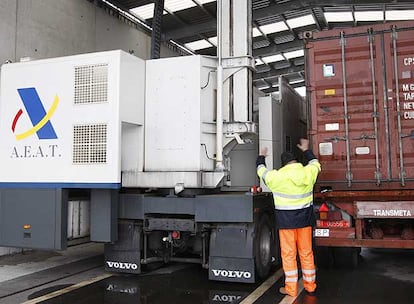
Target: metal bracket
[(233, 65), (231, 127), (239, 127), (364, 137), (233, 130), (411, 135), (336, 138)]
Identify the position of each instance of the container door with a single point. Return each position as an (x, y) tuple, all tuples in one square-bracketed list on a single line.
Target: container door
[(400, 65), (347, 119)]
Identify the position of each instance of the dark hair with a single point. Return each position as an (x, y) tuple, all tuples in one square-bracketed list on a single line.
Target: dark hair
[(287, 157)]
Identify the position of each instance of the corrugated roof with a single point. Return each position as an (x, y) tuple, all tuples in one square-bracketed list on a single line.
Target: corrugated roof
[(279, 27)]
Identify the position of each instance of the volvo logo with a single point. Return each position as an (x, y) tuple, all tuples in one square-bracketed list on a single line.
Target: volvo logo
[(120, 265), (226, 298), (231, 273)]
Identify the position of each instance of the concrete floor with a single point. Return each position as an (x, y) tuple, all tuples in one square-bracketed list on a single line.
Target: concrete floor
[(18, 265), (23, 274), (384, 276)]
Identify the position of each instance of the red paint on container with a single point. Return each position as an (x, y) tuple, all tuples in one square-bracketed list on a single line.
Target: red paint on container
[(361, 85)]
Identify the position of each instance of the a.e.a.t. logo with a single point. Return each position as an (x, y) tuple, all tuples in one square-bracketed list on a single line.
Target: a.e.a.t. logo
[(42, 126)]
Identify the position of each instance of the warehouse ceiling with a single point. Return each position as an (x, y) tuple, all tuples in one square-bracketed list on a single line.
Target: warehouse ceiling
[(278, 28)]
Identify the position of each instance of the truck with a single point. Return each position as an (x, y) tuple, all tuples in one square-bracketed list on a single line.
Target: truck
[(360, 95), (163, 152)]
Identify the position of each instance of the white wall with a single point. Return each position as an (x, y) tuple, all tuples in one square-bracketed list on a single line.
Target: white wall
[(51, 28)]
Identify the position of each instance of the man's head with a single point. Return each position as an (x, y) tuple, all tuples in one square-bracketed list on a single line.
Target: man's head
[(286, 157)]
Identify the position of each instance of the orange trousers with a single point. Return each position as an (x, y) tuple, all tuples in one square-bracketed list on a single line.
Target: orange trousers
[(291, 242)]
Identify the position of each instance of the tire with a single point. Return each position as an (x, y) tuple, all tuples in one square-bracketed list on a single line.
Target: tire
[(263, 246)]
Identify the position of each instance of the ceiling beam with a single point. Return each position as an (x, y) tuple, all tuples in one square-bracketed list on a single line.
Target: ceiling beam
[(276, 88), (278, 72), (276, 9), (131, 4), (272, 10), (278, 48), (192, 30), (265, 51)]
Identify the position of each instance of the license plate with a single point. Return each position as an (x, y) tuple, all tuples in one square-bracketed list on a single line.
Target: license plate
[(321, 232)]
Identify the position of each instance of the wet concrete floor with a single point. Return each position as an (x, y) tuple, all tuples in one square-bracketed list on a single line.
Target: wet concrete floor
[(384, 276)]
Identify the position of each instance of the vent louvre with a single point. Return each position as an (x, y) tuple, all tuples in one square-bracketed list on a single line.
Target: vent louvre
[(91, 84), (89, 144)]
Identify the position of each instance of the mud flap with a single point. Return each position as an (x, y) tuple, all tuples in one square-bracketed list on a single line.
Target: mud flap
[(231, 253), (231, 270), (125, 254)]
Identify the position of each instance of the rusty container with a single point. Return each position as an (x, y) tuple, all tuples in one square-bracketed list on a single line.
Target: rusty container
[(360, 85)]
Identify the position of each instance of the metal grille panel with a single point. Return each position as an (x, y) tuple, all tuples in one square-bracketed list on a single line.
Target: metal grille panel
[(89, 144), (91, 84)]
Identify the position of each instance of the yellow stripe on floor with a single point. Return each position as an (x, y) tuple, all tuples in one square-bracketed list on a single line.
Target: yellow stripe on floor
[(289, 299), (251, 298)]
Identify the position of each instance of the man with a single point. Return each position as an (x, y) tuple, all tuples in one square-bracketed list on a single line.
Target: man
[(292, 187)]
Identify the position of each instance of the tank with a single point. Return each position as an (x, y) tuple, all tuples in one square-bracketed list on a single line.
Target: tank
[(360, 84)]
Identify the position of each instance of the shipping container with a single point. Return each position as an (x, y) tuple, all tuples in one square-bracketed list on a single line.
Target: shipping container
[(360, 85)]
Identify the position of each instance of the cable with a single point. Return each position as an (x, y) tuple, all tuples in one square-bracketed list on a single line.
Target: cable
[(208, 80), (205, 149)]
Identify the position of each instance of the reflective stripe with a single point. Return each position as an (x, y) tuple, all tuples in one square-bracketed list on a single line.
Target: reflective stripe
[(293, 207), (316, 162), (309, 279), (292, 196), (291, 272), (291, 279), (264, 175), (305, 271)]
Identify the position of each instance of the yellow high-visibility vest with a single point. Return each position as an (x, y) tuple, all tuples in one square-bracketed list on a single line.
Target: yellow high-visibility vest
[(291, 185)]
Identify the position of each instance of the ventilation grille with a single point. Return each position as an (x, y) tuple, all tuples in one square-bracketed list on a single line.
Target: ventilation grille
[(91, 83), (89, 144)]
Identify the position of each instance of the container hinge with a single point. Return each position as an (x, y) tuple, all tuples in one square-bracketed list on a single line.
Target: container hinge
[(342, 41), (370, 36), (364, 137), (336, 138), (394, 34), (349, 177), (375, 114)]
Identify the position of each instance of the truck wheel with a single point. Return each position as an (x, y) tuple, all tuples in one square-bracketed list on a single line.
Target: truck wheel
[(263, 243)]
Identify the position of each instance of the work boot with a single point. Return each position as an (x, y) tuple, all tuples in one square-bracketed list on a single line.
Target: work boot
[(283, 291)]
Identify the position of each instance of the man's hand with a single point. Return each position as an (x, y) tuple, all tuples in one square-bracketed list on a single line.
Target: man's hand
[(263, 151), (303, 145)]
